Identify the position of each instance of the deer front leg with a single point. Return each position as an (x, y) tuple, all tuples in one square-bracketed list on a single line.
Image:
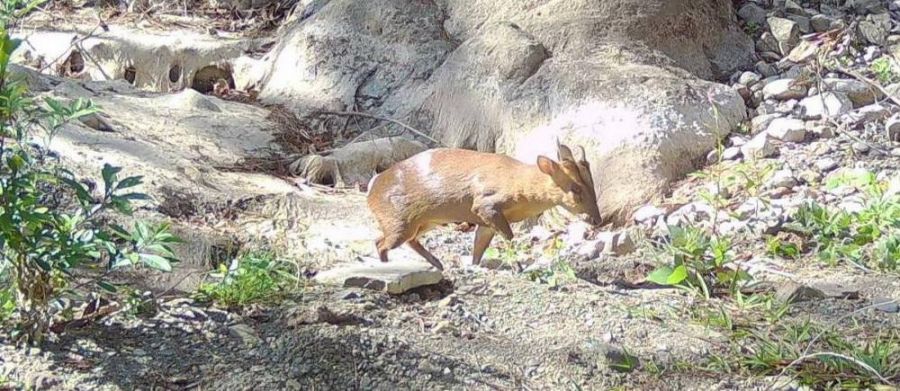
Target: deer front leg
[(493, 217), (483, 236)]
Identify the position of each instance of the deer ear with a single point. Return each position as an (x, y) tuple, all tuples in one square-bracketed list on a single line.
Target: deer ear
[(547, 166)]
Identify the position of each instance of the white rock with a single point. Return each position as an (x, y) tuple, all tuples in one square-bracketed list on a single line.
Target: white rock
[(759, 147), (787, 130), (731, 153), (749, 79), (761, 122), (782, 178), (785, 31), (611, 243), (826, 164), (825, 105), (395, 277), (648, 213), (868, 113), (783, 89)]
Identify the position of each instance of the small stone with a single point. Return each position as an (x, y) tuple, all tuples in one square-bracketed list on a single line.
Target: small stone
[(860, 93), (868, 113), (791, 292), (731, 153), (874, 29), (752, 13), (865, 6), (826, 164), (820, 23), (782, 178), (749, 79), (613, 243), (793, 7), (837, 291), (892, 126), (826, 105), (860, 147), (768, 70), (395, 277), (787, 130), (759, 147), (895, 152), (885, 304), (761, 122), (822, 131), (783, 89), (245, 333), (802, 23), (785, 31), (648, 213)]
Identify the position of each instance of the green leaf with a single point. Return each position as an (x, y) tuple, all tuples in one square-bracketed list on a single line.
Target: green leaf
[(107, 286), (660, 275), (677, 276), (109, 174), (156, 262), (80, 190), (131, 181)]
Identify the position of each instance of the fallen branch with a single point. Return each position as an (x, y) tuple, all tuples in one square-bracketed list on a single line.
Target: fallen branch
[(380, 118)]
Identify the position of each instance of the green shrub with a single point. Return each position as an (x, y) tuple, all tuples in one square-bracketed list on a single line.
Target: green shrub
[(41, 239), (698, 262), (252, 278)]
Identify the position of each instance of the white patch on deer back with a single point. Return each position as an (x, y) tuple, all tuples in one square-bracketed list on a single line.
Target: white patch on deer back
[(425, 172)]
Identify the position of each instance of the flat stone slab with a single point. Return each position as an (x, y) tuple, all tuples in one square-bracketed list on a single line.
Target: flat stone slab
[(394, 277)]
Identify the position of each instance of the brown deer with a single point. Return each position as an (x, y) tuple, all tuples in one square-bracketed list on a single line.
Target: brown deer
[(444, 185)]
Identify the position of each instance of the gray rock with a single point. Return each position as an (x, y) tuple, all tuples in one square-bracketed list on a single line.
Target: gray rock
[(868, 113), (761, 122), (786, 32), (860, 93), (860, 147), (749, 79), (895, 152), (874, 29), (752, 13), (768, 47), (782, 178), (886, 304), (612, 243), (865, 6), (837, 291), (826, 164), (793, 7), (395, 277), (820, 23), (791, 292), (648, 213), (768, 70), (783, 89), (759, 147), (822, 131), (787, 130), (892, 126), (825, 105), (802, 23), (245, 333)]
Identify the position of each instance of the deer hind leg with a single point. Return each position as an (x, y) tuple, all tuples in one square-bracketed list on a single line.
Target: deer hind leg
[(419, 248), (393, 236)]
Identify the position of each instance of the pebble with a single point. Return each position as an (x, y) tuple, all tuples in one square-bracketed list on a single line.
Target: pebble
[(860, 147), (826, 164)]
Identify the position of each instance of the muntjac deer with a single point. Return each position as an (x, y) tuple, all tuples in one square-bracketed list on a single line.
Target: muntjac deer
[(444, 185)]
